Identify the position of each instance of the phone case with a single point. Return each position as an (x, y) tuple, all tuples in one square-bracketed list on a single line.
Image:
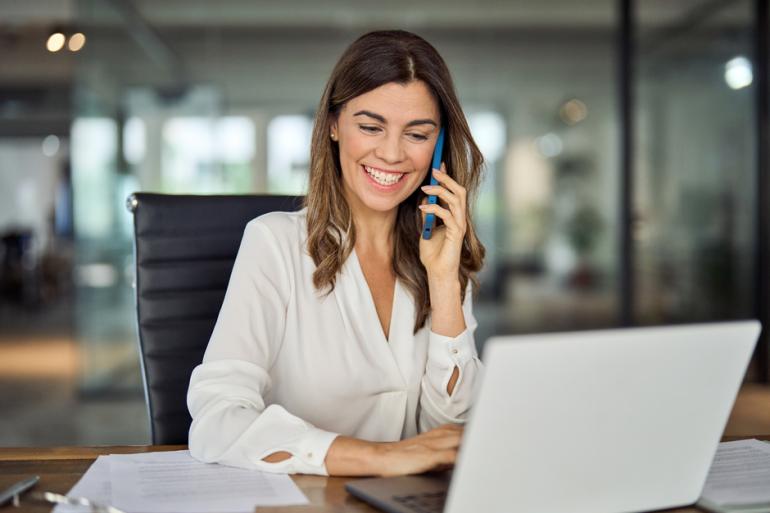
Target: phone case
[(430, 218)]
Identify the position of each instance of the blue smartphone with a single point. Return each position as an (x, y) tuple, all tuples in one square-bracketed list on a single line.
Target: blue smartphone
[(430, 218)]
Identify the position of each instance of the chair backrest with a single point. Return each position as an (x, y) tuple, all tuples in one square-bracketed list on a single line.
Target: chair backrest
[(185, 247)]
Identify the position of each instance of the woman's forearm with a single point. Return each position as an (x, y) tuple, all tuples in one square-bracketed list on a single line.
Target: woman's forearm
[(446, 306), (446, 314), (349, 456)]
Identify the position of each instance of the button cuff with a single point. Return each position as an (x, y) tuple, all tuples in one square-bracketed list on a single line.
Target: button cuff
[(446, 352), (312, 449)]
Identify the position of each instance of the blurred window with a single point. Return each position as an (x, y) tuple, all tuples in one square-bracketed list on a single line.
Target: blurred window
[(207, 155), (288, 154), (94, 149), (134, 141), (489, 132)]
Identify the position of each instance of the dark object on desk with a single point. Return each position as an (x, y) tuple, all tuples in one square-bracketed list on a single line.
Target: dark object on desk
[(424, 493), (12, 493), (185, 247)]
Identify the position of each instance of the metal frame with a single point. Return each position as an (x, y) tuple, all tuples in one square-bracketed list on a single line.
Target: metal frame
[(762, 253), (625, 67)]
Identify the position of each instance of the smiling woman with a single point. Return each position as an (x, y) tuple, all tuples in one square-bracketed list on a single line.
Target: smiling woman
[(395, 87), (345, 342)]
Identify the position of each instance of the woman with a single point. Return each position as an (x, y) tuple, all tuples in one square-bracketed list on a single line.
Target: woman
[(344, 345)]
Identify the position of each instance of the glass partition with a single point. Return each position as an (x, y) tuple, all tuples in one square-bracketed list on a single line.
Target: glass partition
[(696, 163)]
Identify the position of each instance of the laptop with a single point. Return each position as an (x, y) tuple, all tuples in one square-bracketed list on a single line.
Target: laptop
[(597, 421)]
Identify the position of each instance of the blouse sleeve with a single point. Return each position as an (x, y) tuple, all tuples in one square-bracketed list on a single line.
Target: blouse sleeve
[(231, 423), (437, 407)]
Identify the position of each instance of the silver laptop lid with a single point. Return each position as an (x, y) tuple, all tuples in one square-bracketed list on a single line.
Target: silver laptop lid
[(599, 421)]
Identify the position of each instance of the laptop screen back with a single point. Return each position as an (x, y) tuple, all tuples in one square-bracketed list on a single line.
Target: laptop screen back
[(599, 421)]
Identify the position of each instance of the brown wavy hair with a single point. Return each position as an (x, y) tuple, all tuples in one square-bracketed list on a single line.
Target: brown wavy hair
[(373, 60)]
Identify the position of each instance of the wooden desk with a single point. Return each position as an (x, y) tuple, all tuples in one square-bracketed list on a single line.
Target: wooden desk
[(60, 468)]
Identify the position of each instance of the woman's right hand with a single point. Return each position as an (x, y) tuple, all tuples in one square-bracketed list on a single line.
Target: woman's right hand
[(433, 450)]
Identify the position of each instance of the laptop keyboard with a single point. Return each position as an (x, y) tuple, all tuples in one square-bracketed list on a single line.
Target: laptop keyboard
[(432, 502)]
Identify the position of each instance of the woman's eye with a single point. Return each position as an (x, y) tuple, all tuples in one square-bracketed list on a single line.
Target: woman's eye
[(419, 137), (370, 129)]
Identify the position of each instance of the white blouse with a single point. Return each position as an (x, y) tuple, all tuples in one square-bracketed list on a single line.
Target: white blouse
[(288, 369)]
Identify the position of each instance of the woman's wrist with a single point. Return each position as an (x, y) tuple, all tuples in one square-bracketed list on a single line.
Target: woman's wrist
[(349, 456), (444, 283)]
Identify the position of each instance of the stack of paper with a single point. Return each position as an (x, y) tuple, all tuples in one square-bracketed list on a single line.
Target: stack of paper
[(739, 479), (166, 482)]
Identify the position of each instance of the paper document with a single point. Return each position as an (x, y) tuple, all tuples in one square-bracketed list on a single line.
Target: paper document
[(739, 479), (170, 482), (165, 482)]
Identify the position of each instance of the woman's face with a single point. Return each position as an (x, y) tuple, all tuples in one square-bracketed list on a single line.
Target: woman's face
[(386, 139)]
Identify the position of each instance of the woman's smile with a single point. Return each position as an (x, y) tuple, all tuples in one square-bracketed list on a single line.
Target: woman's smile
[(384, 180)]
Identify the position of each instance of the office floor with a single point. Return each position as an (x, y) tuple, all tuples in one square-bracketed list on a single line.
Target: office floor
[(56, 389), (43, 403)]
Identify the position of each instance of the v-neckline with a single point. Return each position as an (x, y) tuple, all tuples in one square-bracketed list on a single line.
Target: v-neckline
[(373, 306)]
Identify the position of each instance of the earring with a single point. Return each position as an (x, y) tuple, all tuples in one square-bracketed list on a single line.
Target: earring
[(334, 136)]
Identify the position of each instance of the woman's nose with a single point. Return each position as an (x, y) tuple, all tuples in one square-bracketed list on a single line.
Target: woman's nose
[(390, 150)]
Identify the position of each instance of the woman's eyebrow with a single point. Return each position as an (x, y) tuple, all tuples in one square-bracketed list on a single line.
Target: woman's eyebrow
[(381, 119)]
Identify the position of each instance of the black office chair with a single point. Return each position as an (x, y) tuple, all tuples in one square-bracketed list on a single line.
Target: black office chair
[(185, 247)]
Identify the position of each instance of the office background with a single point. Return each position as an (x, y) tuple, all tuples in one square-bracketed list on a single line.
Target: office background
[(626, 144)]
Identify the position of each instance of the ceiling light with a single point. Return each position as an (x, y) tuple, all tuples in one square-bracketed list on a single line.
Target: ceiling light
[(50, 145), (738, 73), (55, 42), (573, 111), (77, 41)]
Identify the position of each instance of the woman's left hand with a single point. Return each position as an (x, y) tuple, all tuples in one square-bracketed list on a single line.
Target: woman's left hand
[(441, 253)]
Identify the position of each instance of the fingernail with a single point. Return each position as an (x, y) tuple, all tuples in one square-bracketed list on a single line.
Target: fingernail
[(422, 207), (425, 187)]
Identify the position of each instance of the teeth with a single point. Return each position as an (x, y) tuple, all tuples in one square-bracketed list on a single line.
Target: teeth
[(383, 178)]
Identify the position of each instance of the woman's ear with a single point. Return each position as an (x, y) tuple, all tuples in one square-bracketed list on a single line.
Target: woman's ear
[(334, 134)]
